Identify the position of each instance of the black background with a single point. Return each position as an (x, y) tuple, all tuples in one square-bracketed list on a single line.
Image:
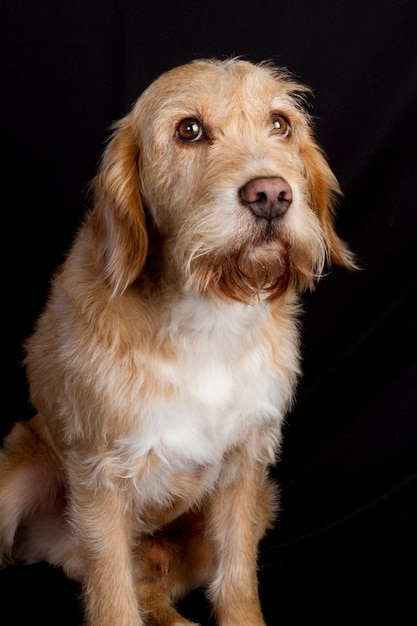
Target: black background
[(345, 548)]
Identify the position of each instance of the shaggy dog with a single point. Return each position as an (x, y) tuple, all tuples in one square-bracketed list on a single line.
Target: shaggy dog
[(167, 355)]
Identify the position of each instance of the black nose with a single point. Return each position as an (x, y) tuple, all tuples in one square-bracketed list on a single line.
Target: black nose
[(267, 197)]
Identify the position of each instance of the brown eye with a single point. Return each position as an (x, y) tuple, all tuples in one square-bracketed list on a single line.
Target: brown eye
[(281, 125), (190, 130)]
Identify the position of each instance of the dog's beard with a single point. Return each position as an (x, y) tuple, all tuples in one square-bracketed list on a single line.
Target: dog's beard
[(247, 268)]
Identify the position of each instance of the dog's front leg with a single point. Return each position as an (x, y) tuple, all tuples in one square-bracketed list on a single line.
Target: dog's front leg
[(236, 522), (103, 523)]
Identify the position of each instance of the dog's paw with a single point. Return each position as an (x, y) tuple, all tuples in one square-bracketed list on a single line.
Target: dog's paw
[(166, 616)]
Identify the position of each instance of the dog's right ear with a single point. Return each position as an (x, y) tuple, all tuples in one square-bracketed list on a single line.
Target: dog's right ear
[(118, 218)]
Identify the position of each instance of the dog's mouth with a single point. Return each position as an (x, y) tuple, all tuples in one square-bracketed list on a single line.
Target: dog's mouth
[(258, 265), (266, 267)]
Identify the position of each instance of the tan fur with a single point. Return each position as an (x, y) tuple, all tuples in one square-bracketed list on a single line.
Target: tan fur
[(167, 355)]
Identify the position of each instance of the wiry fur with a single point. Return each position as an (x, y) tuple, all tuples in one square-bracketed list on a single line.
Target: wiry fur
[(167, 356)]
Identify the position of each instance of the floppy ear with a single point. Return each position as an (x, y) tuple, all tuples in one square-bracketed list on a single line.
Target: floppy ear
[(324, 190), (118, 218)]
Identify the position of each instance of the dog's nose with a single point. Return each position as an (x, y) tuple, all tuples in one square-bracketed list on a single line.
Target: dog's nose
[(267, 197)]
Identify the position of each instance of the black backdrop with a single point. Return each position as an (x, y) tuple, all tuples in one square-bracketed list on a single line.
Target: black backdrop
[(345, 546)]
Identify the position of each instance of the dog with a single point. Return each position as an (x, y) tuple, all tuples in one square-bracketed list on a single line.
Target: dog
[(167, 356)]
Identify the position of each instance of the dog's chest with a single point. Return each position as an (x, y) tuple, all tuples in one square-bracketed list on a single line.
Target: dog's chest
[(220, 389), (221, 379)]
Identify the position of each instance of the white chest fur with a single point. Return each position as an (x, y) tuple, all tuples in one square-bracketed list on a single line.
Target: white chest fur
[(223, 381)]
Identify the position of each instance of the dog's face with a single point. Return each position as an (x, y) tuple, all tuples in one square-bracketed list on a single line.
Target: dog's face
[(219, 157)]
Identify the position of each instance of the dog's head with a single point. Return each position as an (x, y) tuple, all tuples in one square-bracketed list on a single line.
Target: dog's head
[(217, 159)]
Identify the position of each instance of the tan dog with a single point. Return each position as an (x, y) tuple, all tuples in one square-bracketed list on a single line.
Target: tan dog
[(167, 355)]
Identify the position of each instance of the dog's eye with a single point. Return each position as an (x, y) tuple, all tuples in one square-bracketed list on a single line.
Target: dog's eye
[(190, 130), (281, 125)]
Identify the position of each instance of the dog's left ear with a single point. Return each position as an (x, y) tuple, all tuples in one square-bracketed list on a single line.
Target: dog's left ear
[(324, 189), (118, 218)]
